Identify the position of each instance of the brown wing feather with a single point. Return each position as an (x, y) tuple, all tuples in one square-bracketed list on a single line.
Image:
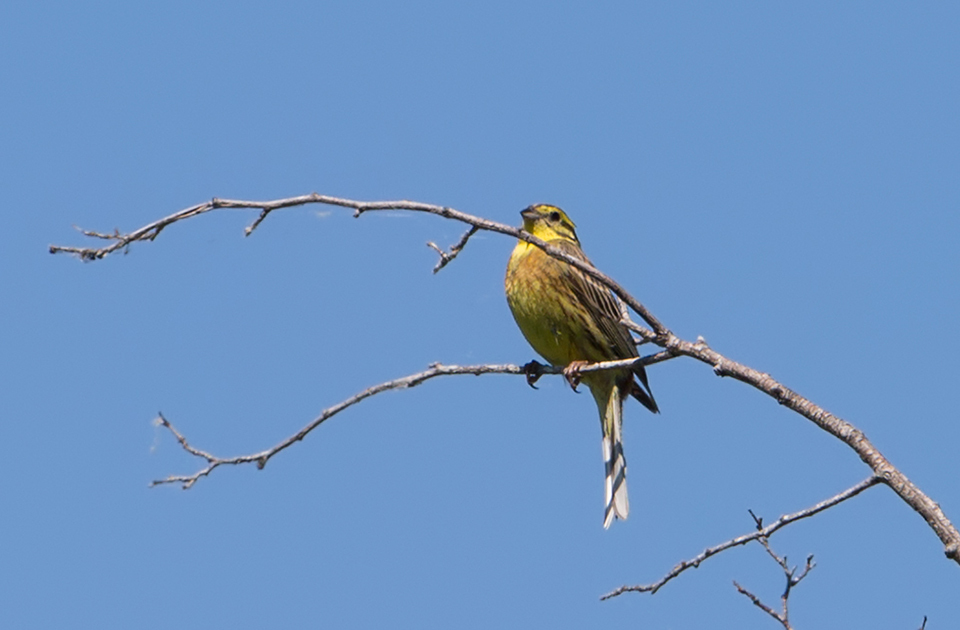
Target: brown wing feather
[(601, 304), (605, 311)]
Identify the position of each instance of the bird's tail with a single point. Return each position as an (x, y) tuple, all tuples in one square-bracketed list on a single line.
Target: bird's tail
[(615, 484)]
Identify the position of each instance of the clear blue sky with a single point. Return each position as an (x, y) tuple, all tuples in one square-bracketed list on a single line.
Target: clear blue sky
[(783, 181)]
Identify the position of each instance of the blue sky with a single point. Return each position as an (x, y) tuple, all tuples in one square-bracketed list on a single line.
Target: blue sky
[(780, 180)]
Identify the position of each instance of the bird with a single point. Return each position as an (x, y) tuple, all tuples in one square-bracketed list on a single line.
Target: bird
[(570, 319)]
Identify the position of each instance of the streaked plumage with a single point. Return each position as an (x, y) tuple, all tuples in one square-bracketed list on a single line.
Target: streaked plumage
[(569, 317)]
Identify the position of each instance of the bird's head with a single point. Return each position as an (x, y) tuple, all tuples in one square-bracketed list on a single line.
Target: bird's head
[(549, 223)]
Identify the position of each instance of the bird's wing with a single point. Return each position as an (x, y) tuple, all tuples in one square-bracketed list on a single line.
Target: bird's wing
[(604, 307), (606, 311)]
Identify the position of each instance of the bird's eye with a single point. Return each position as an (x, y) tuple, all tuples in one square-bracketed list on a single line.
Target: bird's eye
[(555, 216)]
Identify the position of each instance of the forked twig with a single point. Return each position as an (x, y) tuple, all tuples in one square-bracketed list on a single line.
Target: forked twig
[(760, 534), (783, 615), (446, 257)]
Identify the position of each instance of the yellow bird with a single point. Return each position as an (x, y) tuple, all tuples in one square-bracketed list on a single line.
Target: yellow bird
[(571, 319)]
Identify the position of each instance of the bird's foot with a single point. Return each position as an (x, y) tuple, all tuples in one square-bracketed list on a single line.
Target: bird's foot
[(533, 371), (572, 373)]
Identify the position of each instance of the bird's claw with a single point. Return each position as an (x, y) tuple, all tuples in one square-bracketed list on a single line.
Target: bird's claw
[(533, 371), (572, 373)]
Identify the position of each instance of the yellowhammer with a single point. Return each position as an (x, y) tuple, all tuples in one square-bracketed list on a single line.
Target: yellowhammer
[(569, 318)]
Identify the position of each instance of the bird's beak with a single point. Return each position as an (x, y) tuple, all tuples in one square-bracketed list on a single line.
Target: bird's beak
[(528, 214)]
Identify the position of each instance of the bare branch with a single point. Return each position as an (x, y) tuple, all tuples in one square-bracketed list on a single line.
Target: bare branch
[(261, 458), (152, 230), (120, 241), (846, 432), (759, 534), (657, 333)]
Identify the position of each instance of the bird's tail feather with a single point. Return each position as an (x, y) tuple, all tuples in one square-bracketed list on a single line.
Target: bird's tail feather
[(615, 484)]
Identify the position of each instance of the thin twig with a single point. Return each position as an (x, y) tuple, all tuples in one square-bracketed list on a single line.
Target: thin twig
[(454, 249), (761, 532), (108, 237), (759, 604)]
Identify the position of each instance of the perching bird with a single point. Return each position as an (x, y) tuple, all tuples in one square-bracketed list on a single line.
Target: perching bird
[(570, 318)]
